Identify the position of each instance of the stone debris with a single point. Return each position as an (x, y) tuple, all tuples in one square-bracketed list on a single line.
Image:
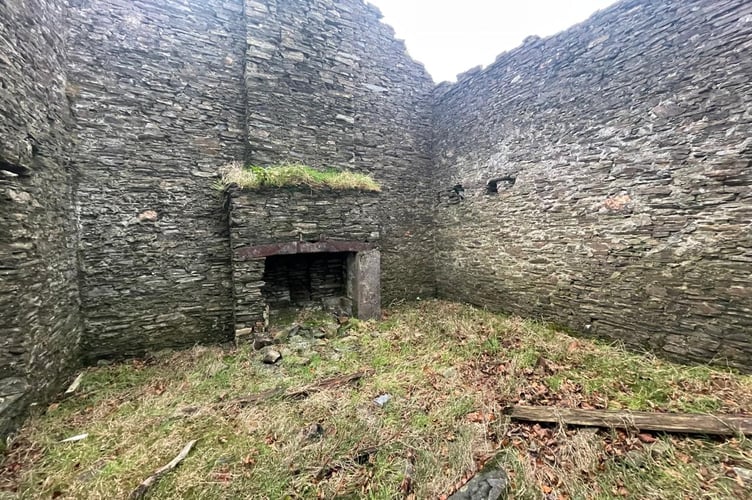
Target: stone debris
[(270, 356), (284, 335), (745, 475), (312, 432), (382, 400), (262, 340), (490, 484)]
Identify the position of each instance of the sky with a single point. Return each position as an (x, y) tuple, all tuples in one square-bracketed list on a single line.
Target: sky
[(452, 36)]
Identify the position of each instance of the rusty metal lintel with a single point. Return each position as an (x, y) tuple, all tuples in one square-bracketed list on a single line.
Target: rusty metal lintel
[(293, 247)]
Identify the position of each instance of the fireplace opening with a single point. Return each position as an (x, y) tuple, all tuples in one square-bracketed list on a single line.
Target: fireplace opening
[(313, 280)]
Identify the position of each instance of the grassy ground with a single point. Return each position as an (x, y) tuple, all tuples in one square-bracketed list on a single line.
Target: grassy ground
[(294, 175), (450, 370)]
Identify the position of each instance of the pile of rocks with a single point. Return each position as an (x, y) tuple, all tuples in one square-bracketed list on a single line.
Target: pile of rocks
[(297, 343)]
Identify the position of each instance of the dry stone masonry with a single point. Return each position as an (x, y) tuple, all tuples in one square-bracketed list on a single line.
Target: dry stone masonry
[(624, 208), (327, 85), (156, 93), (40, 318), (298, 222), (599, 179)]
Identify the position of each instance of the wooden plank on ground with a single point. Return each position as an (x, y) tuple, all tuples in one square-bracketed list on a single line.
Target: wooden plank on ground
[(687, 423)]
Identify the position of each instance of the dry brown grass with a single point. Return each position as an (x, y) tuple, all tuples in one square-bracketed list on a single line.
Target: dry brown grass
[(450, 369)]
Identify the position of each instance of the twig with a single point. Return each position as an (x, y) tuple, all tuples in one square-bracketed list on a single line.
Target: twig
[(328, 383), (260, 397), (75, 438), (407, 486), (302, 393), (150, 481)]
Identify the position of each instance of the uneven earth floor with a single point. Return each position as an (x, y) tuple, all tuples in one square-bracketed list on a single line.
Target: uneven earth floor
[(448, 370)]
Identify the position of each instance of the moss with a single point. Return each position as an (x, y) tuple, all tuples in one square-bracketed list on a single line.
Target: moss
[(252, 177)]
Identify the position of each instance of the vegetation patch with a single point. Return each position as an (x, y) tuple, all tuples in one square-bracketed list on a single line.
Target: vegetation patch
[(251, 177), (449, 370)]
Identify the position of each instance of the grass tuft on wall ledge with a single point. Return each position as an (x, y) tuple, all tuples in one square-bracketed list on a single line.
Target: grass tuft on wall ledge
[(294, 175)]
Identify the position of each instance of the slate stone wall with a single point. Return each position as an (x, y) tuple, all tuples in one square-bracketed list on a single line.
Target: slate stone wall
[(599, 179), (40, 323), (164, 93), (157, 97), (622, 149), (291, 216), (328, 85)]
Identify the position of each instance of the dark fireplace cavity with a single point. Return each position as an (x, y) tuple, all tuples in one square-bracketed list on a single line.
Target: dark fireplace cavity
[(305, 280)]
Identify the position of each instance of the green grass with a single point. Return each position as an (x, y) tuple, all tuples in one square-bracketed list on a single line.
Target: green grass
[(443, 364), (252, 177)]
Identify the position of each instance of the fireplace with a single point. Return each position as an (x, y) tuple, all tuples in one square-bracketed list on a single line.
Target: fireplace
[(295, 248), (306, 280)]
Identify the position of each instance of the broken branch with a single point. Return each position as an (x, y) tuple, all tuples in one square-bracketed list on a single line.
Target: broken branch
[(329, 383), (685, 423), (302, 393), (150, 481)]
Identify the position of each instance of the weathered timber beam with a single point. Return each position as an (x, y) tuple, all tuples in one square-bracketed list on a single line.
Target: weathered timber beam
[(687, 423)]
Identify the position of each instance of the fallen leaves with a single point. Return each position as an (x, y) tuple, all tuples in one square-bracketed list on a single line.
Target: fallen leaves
[(646, 438), (480, 417), (249, 460)]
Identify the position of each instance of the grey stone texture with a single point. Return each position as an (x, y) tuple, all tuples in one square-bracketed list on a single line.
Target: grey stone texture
[(364, 284), (304, 279), (277, 222), (157, 98), (491, 483), (40, 325), (599, 179), (627, 209), (328, 85)]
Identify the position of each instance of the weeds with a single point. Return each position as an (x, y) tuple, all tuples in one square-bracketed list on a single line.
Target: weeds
[(252, 177), (450, 370)]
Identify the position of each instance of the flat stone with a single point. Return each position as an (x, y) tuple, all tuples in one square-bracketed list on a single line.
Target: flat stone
[(271, 356), (285, 334), (261, 341), (382, 400), (489, 484)]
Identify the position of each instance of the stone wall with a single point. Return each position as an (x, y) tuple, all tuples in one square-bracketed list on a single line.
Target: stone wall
[(39, 310), (623, 157), (157, 95), (599, 178), (328, 85), (278, 221), (164, 93)]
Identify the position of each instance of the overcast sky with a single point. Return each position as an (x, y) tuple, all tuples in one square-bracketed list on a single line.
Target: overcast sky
[(452, 36)]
